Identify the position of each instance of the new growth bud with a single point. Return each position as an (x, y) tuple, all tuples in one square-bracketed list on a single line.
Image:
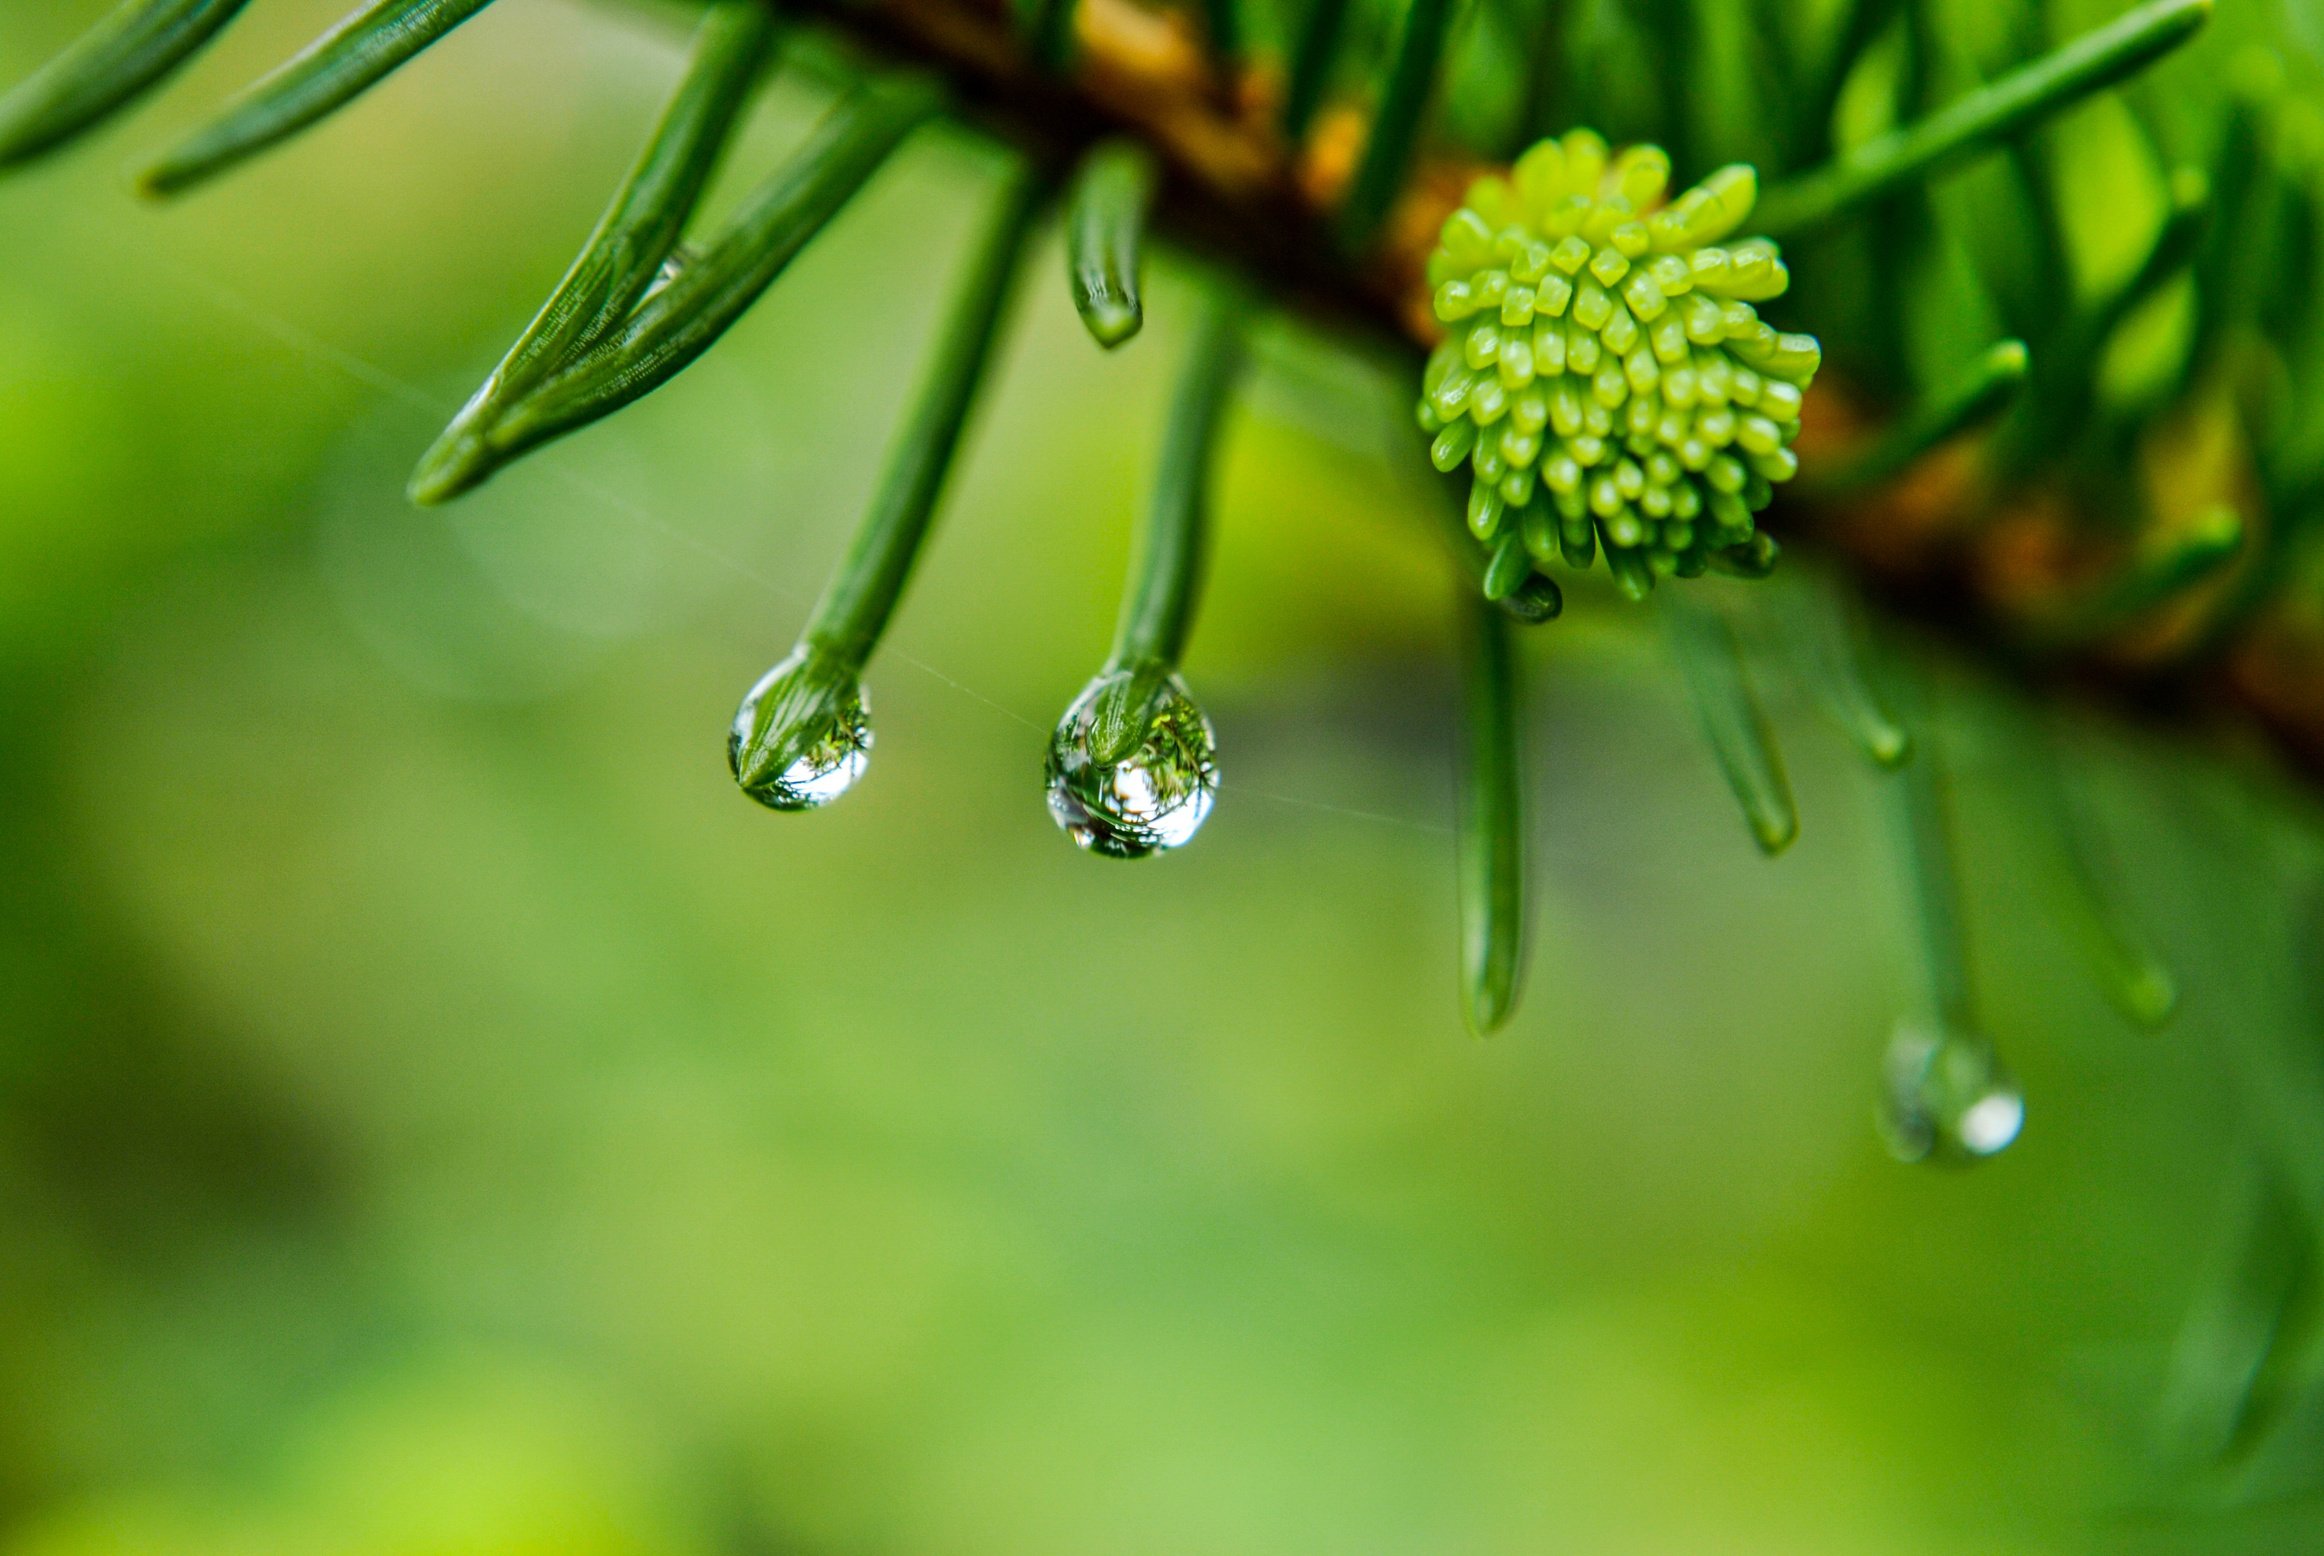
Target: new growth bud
[(1604, 375)]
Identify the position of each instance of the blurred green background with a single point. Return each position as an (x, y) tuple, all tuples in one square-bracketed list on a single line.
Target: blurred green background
[(438, 1115)]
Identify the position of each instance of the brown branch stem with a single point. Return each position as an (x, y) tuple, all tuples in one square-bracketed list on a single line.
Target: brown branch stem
[(1233, 186)]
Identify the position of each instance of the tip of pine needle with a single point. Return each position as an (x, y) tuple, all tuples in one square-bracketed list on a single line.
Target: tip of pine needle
[(1112, 323), (458, 463)]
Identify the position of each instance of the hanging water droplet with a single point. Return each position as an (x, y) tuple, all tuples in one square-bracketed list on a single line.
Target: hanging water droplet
[(1133, 767), (671, 268), (803, 735), (1947, 1094)]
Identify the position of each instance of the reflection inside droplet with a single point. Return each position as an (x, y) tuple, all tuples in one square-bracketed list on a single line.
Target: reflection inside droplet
[(803, 736), (671, 268), (1991, 1122), (1947, 1094), (1154, 797)]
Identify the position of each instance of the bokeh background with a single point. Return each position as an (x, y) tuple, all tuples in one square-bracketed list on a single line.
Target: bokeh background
[(438, 1115)]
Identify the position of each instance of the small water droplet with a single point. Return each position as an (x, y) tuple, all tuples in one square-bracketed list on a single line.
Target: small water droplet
[(680, 258), (803, 736), (1133, 767), (1947, 1095)]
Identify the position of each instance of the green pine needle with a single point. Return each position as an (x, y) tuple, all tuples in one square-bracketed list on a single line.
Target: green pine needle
[(1222, 24), (2167, 562), (2125, 965), (1734, 723), (1048, 28), (1924, 848), (1948, 1096), (1395, 123), (673, 326), (2173, 250), (2245, 1294), (1104, 227), (1312, 57), (1982, 119), (1133, 764), (854, 611), (633, 239), (1492, 821), (1978, 397), (337, 68), (2068, 384), (801, 737), (113, 64), (1827, 638), (1166, 578), (1866, 21)]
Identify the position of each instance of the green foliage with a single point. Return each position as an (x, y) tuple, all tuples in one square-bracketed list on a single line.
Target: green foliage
[(1608, 382), (1104, 225), (1312, 55), (630, 249), (803, 725), (1405, 92), (1727, 705), (949, 1206), (341, 66), (1133, 765), (1986, 390), (136, 47), (1492, 821), (1826, 638), (673, 324), (1978, 120)]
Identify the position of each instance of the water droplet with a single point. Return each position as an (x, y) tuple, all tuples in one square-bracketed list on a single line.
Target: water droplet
[(1948, 1095), (676, 265), (1133, 767), (803, 736)]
